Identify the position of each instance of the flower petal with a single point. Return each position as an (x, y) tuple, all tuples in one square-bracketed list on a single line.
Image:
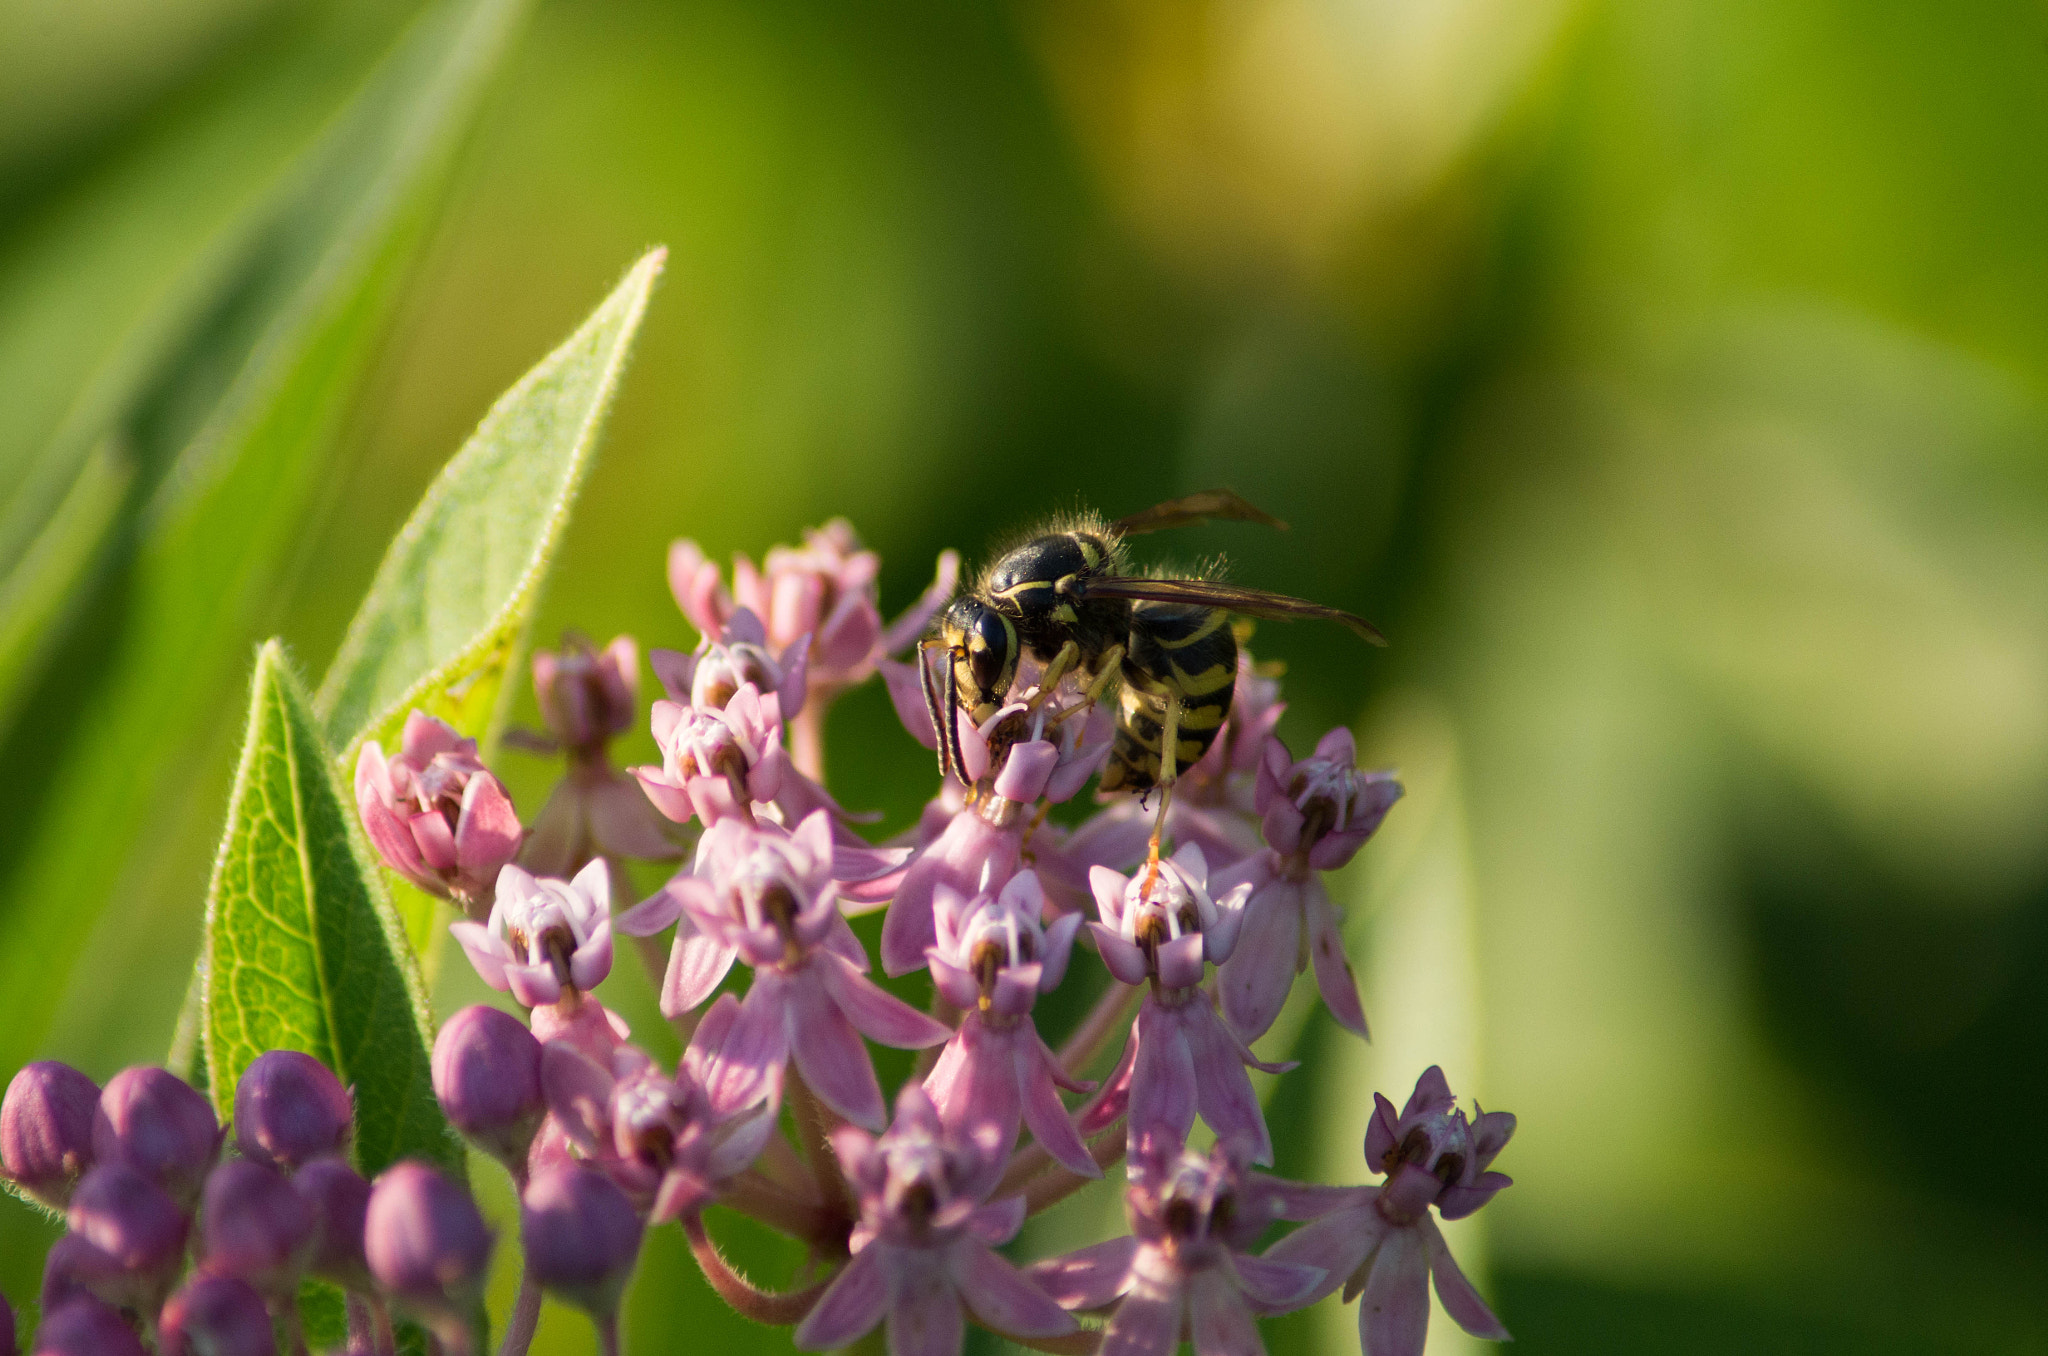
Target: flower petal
[(1124, 960), (697, 965), (1164, 1077), (579, 1094), (881, 1016), (1339, 986), (1393, 1314), (1255, 981), (591, 962), (1147, 1323), (754, 1051), (1047, 1116), (850, 1307), (1460, 1300), (828, 1051), (1218, 1320), (1180, 961), (925, 1317), (1277, 1287), (1228, 1103), (1432, 1094), (1088, 1278), (485, 952), (487, 831), (1337, 1244), (1001, 1297)]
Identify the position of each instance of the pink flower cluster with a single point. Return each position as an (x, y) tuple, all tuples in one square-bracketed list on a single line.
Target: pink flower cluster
[(1198, 948)]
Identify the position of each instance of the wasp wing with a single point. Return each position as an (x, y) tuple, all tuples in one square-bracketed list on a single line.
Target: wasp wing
[(1226, 598), (1195, 508)]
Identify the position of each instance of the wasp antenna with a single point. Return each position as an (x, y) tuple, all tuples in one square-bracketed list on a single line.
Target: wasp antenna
[(930, 688)]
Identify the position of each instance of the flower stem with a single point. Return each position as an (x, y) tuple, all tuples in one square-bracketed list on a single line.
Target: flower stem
[(812, 1127), (525, 1319), (763, 1306), (1111, 1013), (608, 1335), (1051, 1187), (1081, 1343), (780, 1209), (807, 740)]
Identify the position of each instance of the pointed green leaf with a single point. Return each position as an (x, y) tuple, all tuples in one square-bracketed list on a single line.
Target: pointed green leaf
[(447, 615), (302, 950), (222, 490)]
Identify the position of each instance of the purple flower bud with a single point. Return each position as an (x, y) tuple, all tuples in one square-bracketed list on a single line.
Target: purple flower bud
[(46, 1130), (436, 814), (340, 1200), (427, 1245), (487, 1077), (216, 1316), (72, 1270), (255, 1227), (587, 696), (161, 1127), (291, 1109), (85, 1327), (137, 1229), (581, 1236)]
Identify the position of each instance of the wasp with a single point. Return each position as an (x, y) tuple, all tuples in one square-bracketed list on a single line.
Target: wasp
[(1163, 643)]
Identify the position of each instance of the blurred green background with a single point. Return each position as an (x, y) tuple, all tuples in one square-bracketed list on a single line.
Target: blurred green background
[(1666, 379)]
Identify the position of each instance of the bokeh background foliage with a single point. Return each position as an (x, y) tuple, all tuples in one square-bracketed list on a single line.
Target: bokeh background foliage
[(1665, 378)]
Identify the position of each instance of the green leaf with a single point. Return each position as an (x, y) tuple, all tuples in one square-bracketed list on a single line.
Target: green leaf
[(302, 950), (216, 513), (447, 615)]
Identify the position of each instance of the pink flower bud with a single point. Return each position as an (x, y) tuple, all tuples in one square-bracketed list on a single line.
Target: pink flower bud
[(487, 1077), (46, 1130), (581, 1235), (291, 1109), (136, 1228), (427, 1245), (587, 695), (160, 1126), (85, 1327), (339, 1200), (216, 1316), (436, 814), (255, 1227)]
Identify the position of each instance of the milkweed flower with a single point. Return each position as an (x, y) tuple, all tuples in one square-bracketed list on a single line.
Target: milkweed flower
[(764, 895), (436, 814), (992, 960), (547, 940), (923, 1252), (1380, 1241), (1163, 928), (1185, 1268)]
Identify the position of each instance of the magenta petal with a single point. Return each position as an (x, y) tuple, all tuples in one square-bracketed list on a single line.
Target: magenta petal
[(1336, 1244), (434, 839), (1059, 949), (997, 1222), (673, 801), (850, 1307), (713, 1028), (880, 1016), (1380, 1138), (1180, 961), (485, 952), (974, 1087), (1460, 1300), (1124, 959), (1224, 1088), (1393, 1314), (1088, 1278), (1456, 1202), (829, 1053), (487, 831), (925, 1318), (1164, 1077), (1277, 1287), (1116, 1092), (579, 1094), (906, 694), (1026, 769), (956, 985), (1001, 1297), (753, 1052), (697, 964), (653, 913), (1108, 888), (1067, 780), (1047, 1116), (535, 986), (1333, 969), (1255, 981), (592, 961), (1491, 1131), (1432, 1095), (1218, 1321), (1147, 1323)]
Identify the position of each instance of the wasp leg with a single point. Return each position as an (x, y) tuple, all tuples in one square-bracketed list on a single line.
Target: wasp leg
[(1112, 664), (1062, 664), (1169, 770)]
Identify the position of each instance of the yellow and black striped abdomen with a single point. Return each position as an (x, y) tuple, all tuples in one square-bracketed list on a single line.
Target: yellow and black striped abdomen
[(1173, 649)]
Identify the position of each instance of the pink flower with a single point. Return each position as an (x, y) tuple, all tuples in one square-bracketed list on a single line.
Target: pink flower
[(992, 960), (1162, 927), (767, 896), (435, 813), (824, 589), (588, 697), (1382, 1242), (1015, 758), (546, 939), (922, 1254), (1185, 1268), (709, 677), (657, 1136), (1318, 812)]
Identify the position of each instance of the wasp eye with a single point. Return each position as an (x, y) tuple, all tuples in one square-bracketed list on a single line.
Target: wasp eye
[(988, 652)]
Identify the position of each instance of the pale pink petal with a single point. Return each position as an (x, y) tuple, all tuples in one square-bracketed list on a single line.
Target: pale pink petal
[(998, 1222), (1276, 1287), (828, 1051), (1164, 1077), (850, 1307), (1255, 981), (757, 1046), (1001, 1297), (881, 1016), (1108, 887), (673, 801), (1380, 1138), (1491, 1131), (1228, 1103), (697, 964), (1123, 958), (1047, 1116), (1026, 769), (974, 1087), (1089, 1278), (1337, 1244), (1334, 978), (925, 1317), (1068, 778), (959, 987), (433, 837), (1116, 1093), (1393, 1313), (579, 1094), (1180, 961), (655, 912), (485, 952), (906, 694), (694, 582), (1219, 1323), (534, 986), (713, 1030), (1338, 747), (1059, 948), (425, 737), (1460, 1300), (1147, 1323), (487, 831), (1458, 1201)]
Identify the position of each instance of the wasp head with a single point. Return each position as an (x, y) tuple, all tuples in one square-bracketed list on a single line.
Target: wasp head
[(982, 643)]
